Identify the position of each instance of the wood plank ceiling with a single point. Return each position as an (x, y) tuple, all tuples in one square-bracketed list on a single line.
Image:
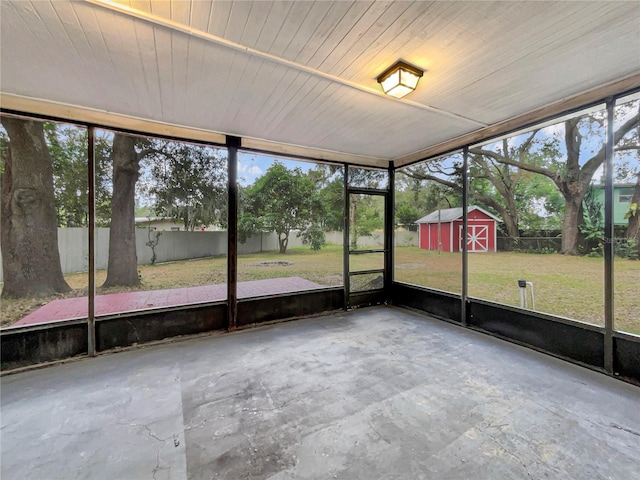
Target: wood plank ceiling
[(301, 76)]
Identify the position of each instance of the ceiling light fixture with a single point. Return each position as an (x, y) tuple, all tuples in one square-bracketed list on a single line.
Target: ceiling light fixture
[(399, 79)]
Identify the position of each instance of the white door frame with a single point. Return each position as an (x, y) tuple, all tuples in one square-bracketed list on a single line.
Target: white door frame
[(475, 238)]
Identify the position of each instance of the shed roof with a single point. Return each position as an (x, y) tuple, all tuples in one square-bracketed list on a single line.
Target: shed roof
[(451, 214)]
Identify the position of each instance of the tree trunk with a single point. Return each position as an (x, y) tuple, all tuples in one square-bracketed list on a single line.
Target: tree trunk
[(122, 269), (511, 225), (283, 242), (29, 239), (570, 226), (353, 229), (633, 228)]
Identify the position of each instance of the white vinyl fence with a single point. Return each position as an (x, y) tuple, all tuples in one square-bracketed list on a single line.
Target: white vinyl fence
[(74, 253)]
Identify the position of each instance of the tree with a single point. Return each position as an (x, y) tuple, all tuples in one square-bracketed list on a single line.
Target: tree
[(122, 268), (188, 184), (67, 146), (185, 182), (280, 201), (406, 216), (633, 215), (496, 185), (29, 238), (364, 215), (501, 167), (329, 182), (573, 176), (522, 196)]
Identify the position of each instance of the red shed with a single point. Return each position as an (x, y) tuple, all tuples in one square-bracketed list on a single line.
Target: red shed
[(444, 227)]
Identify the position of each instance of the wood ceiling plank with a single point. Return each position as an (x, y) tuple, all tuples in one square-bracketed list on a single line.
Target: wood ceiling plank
[(180, 83), (243, 111), (22, 28), (295, 18), (150, 104), (308, 28), (267, 77), (373, 57), (297, 96), (369, 27), (241, 94), (272, 25), (287, 103), (213, 97), (275, 91), (255, 23), (313, 41), (341, 28), (56, 37), (162, 41), (311, 102), (142, 5), (200, 15), (220, 14), (314, 109), (181, 11), (197, 75), (161, 8), (237, 21), (497, 96)]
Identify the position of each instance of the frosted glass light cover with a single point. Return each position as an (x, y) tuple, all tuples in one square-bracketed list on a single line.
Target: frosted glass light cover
[(391, 82), (400, 81)]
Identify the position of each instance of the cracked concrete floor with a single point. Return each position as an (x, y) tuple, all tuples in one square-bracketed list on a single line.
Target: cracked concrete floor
[(378, 393)]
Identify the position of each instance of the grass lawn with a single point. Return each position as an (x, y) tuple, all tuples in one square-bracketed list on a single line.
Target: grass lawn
[(567, 286)]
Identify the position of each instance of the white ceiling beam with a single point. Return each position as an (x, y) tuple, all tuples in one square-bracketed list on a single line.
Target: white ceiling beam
[(101, 118), (104, 118)]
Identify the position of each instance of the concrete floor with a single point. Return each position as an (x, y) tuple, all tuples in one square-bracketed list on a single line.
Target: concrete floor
[(378, 393)]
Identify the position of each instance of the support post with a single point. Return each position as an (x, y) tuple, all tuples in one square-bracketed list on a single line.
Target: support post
[(91, 220), (465, 227), (609, 239), (389, 234), (345, 238), (233, 143)]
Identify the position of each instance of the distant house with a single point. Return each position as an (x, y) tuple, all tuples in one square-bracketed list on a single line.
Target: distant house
[(158, 223), (442, 230), (169, 224), (622, 194)]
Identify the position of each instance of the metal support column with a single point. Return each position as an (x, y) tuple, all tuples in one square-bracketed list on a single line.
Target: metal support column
[(91, 201), (345, 238), (608, 241), (389, 230), (233, 143), (465, 228)]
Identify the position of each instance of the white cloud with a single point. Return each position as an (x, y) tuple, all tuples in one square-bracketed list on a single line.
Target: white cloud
[(248, 172), (250, 169)]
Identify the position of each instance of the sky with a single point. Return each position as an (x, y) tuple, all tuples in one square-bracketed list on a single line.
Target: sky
[(251, 166)]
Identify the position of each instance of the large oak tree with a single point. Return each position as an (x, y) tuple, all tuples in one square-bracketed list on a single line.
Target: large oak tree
[(573, 175), (29, 239), (122, 268)]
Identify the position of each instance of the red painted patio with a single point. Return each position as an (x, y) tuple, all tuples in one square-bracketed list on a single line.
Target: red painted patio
[(76, 308)]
